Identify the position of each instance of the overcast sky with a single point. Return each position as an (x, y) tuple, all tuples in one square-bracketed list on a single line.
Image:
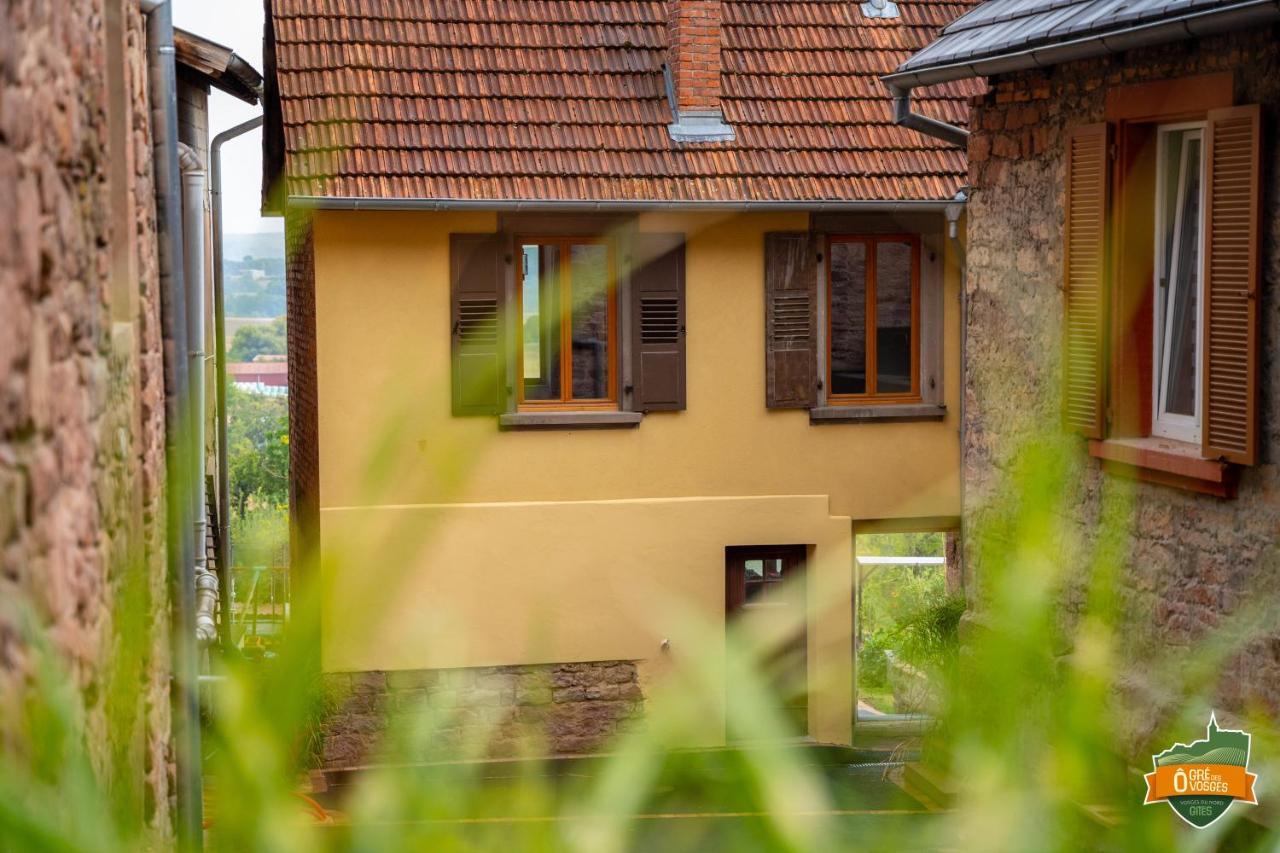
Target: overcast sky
[(238, 25)]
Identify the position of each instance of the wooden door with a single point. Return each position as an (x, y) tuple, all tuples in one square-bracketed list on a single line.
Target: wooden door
[(764, 592)]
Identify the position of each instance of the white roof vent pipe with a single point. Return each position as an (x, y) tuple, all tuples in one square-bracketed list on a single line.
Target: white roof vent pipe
[(880, 9)]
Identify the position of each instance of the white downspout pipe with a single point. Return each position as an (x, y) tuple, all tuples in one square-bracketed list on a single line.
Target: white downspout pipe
[(193, 236)]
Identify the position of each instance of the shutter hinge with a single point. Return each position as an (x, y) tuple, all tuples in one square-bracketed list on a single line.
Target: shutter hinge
[(1112, 151), (1107, 416)]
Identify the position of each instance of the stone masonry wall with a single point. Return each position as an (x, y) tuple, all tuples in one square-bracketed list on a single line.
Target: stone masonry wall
[(566, 708), (1193, 560), (81, 388), (304, 447)]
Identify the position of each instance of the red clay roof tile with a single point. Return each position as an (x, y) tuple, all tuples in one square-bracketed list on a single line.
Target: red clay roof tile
[(564, 99)]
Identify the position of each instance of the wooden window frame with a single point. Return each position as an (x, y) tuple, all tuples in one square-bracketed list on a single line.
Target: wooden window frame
[(871, 396), (1129, 447), (567, 402), (795, 560), (1172, 426)]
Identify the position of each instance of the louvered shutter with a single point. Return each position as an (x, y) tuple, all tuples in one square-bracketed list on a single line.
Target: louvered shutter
[(657, 323), (1085, 265), (479, 371), (791, 320), (1233, 228)]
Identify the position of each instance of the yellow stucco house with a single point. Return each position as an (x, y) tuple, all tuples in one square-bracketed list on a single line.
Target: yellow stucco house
[(581, 360)]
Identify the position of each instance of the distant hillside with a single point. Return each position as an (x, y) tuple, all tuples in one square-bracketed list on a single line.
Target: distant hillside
[(236, 246), (253, 272)]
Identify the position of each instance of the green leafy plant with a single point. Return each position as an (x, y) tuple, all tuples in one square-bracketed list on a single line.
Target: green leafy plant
[(1032, 733), (929, 639)]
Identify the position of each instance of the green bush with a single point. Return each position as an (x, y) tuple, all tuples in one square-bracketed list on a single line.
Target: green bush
[(873, 662), (930, 638)]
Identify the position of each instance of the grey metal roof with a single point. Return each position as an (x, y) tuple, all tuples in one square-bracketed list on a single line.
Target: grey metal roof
[(1005, 35)]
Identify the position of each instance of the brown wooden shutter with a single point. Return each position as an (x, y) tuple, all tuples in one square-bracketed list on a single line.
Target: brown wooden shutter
[(791, 320), (1233, 229), (1085, 265), (479, 369), (657, 323)]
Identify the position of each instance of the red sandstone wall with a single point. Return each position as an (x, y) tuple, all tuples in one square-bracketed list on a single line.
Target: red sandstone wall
[(1195, 563), (81, 385)]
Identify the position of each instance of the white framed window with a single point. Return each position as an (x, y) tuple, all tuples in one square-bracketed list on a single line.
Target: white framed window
[(1178, 334)]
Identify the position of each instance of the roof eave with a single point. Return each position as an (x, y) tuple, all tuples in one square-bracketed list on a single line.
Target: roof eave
[(619, 205), (1192, 25), (217, 65)]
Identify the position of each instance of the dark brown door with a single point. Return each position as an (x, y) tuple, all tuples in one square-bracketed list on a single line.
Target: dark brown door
[(764, 590)]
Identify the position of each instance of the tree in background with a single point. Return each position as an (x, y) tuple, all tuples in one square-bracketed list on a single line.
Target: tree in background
[(904, 609), (258, 450), (259, 339)]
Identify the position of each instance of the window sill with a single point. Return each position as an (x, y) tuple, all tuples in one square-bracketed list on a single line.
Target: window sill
[(569, 420), (872, 413), (1165, 461)]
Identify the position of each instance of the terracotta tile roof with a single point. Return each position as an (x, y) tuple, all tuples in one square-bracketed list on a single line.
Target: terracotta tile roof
[(564, 99)]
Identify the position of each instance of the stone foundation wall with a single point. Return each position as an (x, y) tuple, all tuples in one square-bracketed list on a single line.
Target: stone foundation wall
[(1193, 561), (432, 715), (82, 561)]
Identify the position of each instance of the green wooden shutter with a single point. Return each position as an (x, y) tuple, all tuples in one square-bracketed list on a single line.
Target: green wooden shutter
[(479, 365)]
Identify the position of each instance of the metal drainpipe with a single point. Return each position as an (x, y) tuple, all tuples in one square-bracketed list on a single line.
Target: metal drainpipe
[(163, 94), (903, 115), (953, 213), (220, 348), (193, 223)]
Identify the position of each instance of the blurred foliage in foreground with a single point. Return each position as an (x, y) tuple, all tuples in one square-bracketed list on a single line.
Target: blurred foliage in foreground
[(1032, 738)]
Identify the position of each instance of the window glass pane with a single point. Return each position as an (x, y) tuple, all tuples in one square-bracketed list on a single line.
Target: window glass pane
[(754, 579), (1180, 301), (589, 280), (848, 318), (893, 317), (1170, 169), (540, 324), (773, 569)]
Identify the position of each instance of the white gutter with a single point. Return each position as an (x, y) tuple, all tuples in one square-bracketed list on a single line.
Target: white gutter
[(1191, 25), (619, 205), (220, 361)]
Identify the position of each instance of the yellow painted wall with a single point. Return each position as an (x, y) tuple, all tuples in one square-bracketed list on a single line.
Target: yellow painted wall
[(382, 297), (493, 584), (448, 543)]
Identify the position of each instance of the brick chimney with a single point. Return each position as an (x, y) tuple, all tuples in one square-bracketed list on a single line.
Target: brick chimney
[(693, 71)]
